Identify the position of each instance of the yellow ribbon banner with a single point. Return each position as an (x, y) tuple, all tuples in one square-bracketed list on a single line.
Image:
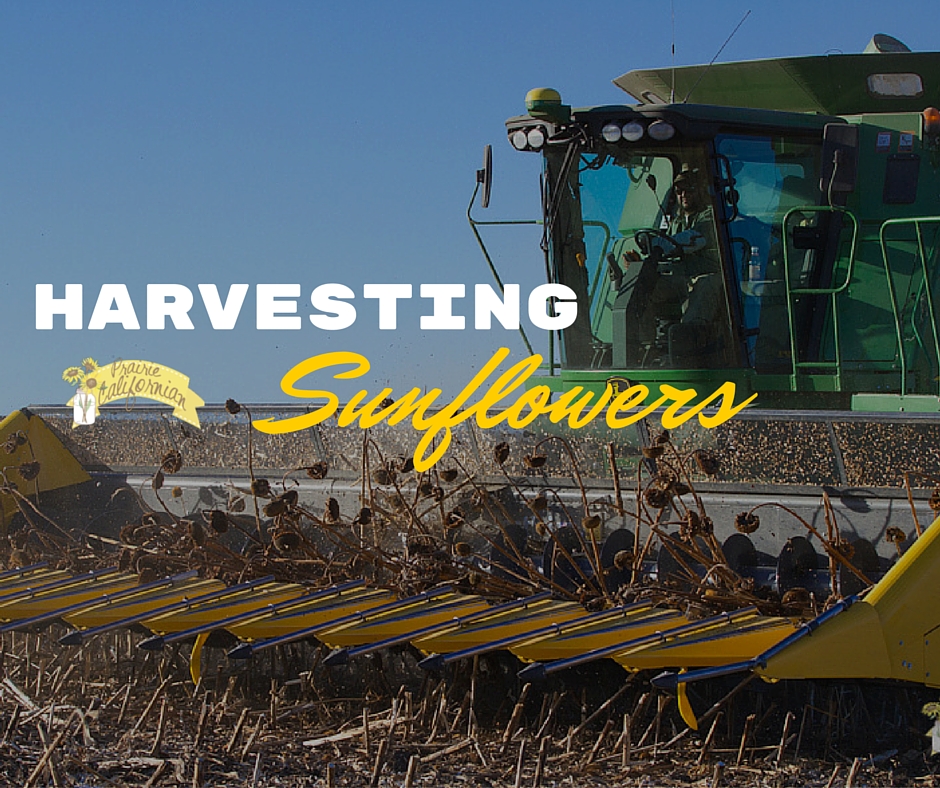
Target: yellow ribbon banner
[(127, 380)]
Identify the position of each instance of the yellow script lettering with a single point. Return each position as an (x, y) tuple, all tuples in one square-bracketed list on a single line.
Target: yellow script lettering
[(626, 408)]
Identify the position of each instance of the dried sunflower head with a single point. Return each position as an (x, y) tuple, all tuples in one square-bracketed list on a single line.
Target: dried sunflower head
[(797, 597), (592, 524), (318, 470), (657, 497), (746, 584), (453, 519), (285, 541), (663, 437), (846, 549), (217, 519), (463, 549), (331, 513), (232, 406), (29, 470), (935, 499), (177, 492), (501, 452), (382, 476), (534, 460), (623, 559), (364, 517), (652, 452), (666, 478), (172, 461), (157, 481), (539, 503), (261, 488), (425, 489), (197, 532), (14, 441), (708, 462), (746, 522), (448, 474), (691, 525), (895, 535), (275, 507), (406, 464)]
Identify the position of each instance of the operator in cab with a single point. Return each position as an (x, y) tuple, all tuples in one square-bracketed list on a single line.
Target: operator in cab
[(680, 298), (692, 228)]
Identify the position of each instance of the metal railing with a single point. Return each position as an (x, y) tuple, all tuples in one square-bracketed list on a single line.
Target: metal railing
[(832, 292), (924, 290)]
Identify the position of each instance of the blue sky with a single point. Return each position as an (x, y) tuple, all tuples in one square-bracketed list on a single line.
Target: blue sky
[(310, 143)]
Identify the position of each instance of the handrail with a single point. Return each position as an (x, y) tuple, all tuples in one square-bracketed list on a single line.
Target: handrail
[(489, 260), (832, 292), (917, 222), (592, 291), (594, 288)]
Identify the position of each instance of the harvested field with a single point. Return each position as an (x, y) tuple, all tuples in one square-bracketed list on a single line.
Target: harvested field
[(109, 714)]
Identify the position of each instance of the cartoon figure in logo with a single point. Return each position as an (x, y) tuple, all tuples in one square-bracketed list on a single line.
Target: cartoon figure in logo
[(84, 403)]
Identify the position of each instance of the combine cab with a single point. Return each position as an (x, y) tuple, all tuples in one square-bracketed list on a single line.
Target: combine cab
[(775, 223)]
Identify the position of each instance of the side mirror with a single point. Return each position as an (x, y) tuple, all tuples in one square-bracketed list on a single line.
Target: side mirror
[(485, 176)]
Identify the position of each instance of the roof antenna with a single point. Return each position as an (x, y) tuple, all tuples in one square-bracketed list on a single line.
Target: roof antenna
[(672, 95), (720, 50)]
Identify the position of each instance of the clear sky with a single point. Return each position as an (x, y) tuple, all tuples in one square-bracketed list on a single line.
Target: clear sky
[(311, 142)]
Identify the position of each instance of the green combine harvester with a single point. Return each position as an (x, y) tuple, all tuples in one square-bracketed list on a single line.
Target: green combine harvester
[(774, 223)]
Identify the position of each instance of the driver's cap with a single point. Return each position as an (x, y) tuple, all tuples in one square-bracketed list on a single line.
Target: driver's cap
[(686, 179)]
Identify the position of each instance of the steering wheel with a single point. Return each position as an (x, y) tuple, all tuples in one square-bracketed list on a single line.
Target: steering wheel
[(644, 239)]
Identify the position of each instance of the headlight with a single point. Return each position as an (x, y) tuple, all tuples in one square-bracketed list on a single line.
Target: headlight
[(518, 140), (611, 132), (633, 131), (536, 138), (661, 131)]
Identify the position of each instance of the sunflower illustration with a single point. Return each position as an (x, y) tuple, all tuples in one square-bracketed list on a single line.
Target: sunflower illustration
[(89, 364), (74, 375)]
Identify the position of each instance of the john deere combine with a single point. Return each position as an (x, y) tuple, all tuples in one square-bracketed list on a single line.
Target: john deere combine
[(773, 223)]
